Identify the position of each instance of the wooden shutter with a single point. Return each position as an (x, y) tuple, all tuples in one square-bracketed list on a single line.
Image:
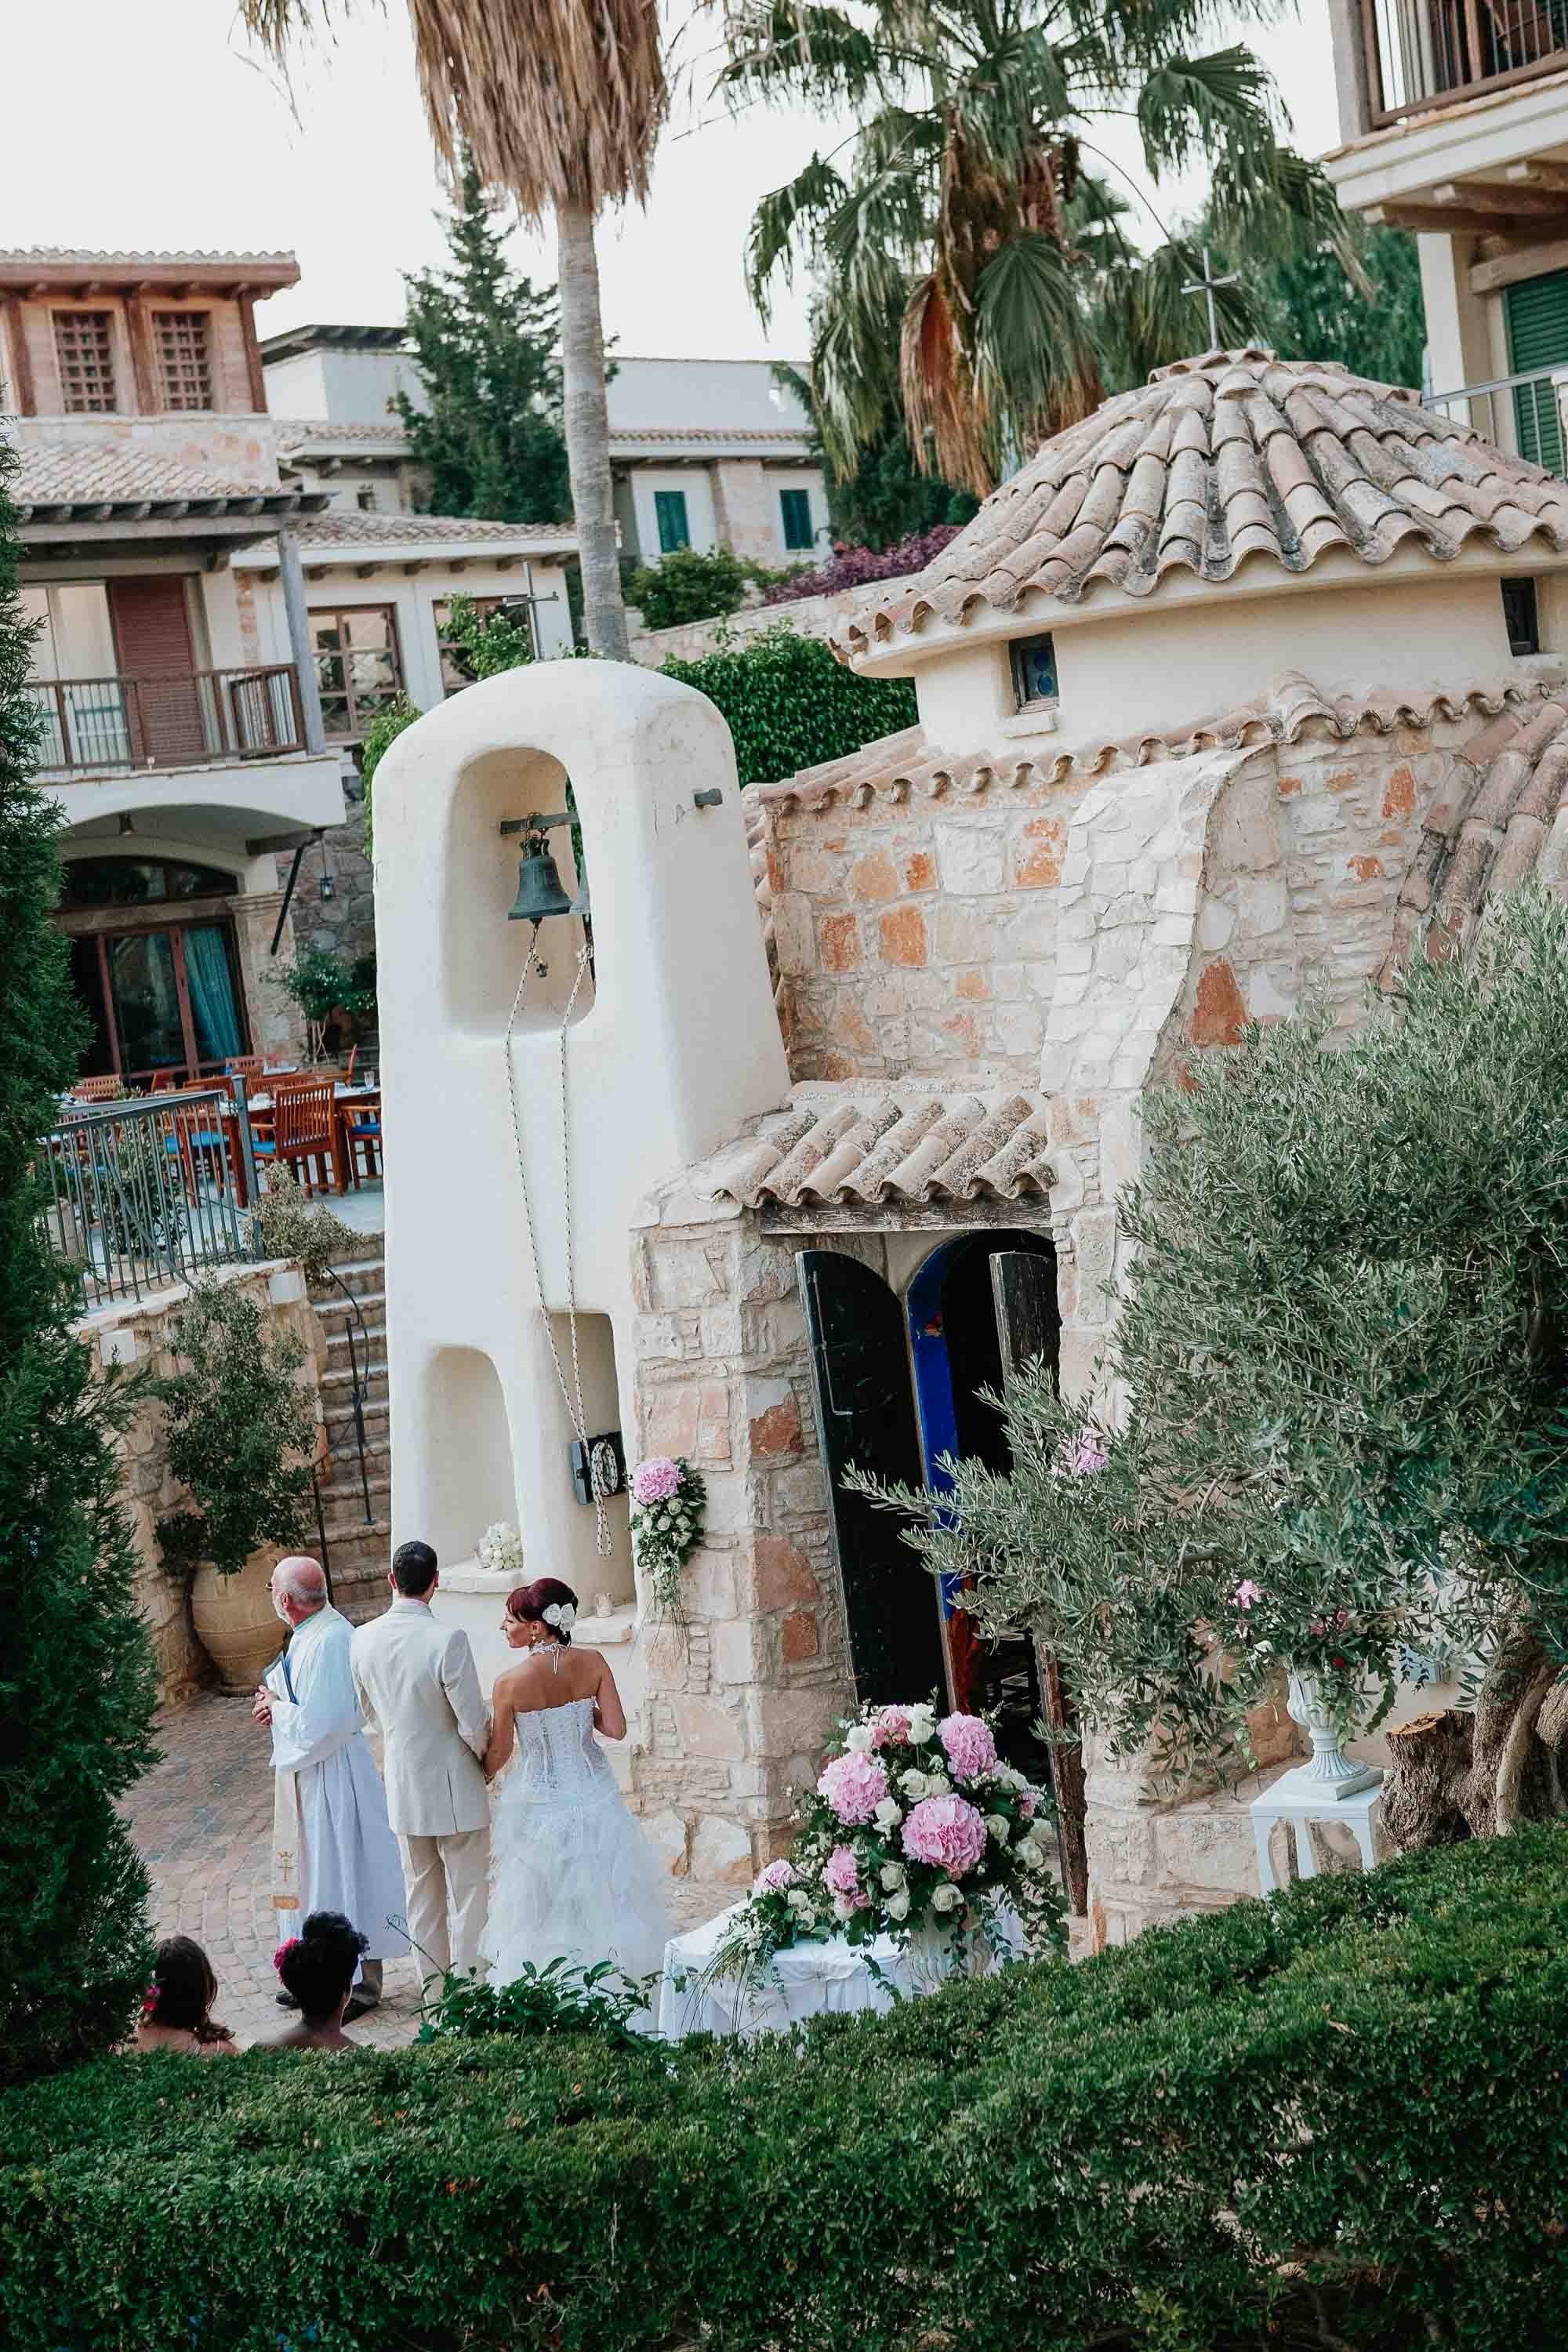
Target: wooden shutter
[(153, 637), (1537, 313), (865, 1416), (1028, 1321)]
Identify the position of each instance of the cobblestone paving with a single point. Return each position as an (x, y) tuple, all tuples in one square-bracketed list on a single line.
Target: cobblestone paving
[(201, 1821)]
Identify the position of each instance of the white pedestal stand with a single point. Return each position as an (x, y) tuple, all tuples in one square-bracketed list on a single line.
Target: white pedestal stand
[(1300, 1797)]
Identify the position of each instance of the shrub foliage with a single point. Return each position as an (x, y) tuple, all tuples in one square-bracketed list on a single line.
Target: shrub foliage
[(692, 584), (1330, 2120), (77, 1684), (789, 705)]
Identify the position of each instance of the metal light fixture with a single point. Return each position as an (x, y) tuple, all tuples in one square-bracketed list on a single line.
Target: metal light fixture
[(329, 890), (127, 824), (539, 891)]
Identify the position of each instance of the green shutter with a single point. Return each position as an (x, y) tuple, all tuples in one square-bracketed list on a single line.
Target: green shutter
[(796, 505), (1537, 314), (674, 530)]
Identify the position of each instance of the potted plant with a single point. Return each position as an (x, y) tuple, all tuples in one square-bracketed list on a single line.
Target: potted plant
[(240, 1433), (322, 982)]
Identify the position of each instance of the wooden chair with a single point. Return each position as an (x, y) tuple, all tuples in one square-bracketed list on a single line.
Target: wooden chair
[(361, 1123), (108, 1089), (248, 1064), (305, 1133)]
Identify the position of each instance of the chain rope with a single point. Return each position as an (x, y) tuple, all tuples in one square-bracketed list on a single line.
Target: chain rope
[(571, 1398)]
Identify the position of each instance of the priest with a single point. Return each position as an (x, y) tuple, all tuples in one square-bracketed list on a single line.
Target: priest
[(333, 1848)]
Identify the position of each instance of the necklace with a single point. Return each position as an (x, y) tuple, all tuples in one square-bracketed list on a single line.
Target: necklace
[(554, 1650)]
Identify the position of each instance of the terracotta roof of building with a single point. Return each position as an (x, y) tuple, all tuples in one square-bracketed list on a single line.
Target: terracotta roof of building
[(389, 535), (74, 252), (909, 766), (1487, 827), (676, 435), (309, 432), (853, 1147), (56, 480), (58, 263), (1215, 461)]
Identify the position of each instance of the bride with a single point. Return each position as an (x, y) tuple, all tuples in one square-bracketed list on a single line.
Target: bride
[(574, 1878)]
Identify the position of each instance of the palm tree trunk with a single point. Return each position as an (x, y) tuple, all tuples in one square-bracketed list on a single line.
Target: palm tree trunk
[(588, 432)]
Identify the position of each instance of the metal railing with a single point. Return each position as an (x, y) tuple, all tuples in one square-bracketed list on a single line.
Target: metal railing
[(174, 720), (1424, 53), (1535, 411), (143, 1194)]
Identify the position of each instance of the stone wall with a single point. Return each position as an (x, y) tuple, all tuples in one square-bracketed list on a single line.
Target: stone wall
[(809, 617), (139, 1334), (744, 1697)]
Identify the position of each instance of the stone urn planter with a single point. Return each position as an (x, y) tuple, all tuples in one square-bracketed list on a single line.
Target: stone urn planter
[(1337, 1774), (236, 1622)]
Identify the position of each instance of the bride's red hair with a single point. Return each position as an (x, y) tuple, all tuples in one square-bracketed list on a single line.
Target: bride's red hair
[(530, 1601)]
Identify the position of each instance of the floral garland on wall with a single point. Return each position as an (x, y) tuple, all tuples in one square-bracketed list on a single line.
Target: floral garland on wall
[(915, 1828), (669, 1503)]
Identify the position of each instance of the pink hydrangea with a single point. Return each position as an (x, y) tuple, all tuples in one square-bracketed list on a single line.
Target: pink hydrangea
[(655, 1480), (947, 1832), (1026, 1803), (776, 1875), (890, 1728), (842, 1871), (854, 1786), (1246, 1594), (971, 1750)]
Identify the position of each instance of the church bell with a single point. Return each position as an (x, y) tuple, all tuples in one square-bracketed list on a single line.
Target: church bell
[(539, 891)]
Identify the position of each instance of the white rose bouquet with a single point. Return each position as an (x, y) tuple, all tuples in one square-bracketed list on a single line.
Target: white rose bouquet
[(500, 1549), (669, 1502)]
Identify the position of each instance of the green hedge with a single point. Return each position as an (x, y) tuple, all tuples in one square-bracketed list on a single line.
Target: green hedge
[(789, 705), (1335, 2119)]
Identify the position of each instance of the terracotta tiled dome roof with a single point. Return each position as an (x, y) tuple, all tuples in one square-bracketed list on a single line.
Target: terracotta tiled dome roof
[(1217, 459)]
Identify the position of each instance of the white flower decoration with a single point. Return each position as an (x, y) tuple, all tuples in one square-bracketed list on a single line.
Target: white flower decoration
[(858, 1740), (892, 1875), (897, 1907), (923, 1725), (999, 1826), (889, 1814), (562, 1614), (946, 1898), (914, 1785)]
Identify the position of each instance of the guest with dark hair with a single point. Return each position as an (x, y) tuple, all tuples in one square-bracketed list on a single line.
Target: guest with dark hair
[(414, 1569), (177, 2007), (317, 1969)]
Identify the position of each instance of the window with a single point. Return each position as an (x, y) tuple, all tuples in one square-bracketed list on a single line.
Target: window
[(456, 673), (357, 666), (85, 352), (366, 500), (1536, 311), (1034, 671), (1520, 616), (669, 510), (797, 531), (184, 358)]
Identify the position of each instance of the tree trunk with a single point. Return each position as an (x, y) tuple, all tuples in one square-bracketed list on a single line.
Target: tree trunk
[(587, 423), (1455, 1776)]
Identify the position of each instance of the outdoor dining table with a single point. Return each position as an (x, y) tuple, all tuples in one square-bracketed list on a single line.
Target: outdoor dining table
[(346, 1102)]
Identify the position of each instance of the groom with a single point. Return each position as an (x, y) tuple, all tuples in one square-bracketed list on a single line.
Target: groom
[(416, 1678)]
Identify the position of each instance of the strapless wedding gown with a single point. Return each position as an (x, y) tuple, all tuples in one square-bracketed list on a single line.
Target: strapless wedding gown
[(574, 1877)]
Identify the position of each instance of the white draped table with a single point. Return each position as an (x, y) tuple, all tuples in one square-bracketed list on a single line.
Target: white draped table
[(804, 1980)]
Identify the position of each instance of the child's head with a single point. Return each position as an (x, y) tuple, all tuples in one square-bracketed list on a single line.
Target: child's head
[(318, 1966), (183, 1986)]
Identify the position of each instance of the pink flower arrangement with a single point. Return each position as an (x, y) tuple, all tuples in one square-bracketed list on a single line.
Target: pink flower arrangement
[(971, 1749), (946, 1832), (776, 1875), (854, 1786), (842, 1872), (890, 1728), (655, 1480), (1246, 1592)]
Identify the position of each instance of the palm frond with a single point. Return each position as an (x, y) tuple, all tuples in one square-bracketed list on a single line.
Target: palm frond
[(1224, 105), (853, 373), (1292, 213), (1035, 362), (787, 219), (942, 400), (788, 53)]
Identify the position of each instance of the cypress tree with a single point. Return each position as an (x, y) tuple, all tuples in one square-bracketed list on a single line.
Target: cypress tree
[(78, 1686), (486, 341)]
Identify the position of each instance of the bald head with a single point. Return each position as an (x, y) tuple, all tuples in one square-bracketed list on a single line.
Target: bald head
[(299, 1587)]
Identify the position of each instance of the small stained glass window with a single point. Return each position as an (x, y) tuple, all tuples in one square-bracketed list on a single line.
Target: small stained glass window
[(1034, 671)]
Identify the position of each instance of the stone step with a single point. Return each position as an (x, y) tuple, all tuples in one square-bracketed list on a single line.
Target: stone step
[(342, 1498), (335, 1312), (338, 1414), (337, 1386), (359, 1279), (371, 1343)]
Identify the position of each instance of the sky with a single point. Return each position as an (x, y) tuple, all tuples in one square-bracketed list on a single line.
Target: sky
[(179, 138)]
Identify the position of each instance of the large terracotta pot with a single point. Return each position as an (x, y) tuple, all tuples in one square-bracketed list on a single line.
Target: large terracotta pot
[(236, 1622)]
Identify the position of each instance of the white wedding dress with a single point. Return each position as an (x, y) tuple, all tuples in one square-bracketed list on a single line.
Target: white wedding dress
[(574, 1878)]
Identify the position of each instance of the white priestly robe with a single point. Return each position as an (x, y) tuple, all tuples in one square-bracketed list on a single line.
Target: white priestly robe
[(348, 1862)]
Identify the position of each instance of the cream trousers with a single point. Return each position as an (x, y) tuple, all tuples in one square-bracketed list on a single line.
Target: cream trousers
[(447, 1880)]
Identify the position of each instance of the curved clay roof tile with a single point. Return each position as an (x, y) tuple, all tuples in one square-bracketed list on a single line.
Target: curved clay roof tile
[(1216, 461)]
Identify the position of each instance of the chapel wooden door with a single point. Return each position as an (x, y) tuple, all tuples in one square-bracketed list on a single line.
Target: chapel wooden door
[(866, 1414), (157, 660), (1028, 1322)]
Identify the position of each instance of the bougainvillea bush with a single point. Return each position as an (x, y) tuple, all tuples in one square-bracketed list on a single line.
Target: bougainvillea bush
[(913, 1825), (858, 567)]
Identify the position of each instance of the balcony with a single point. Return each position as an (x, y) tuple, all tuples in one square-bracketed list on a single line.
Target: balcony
[(1521, 412), (1421, 54), (199, 719)]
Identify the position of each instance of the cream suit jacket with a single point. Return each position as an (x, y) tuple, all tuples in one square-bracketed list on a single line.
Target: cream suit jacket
[(417, 1683)]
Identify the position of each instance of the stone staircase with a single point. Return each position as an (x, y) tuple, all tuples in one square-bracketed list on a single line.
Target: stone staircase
[(357, 1553)]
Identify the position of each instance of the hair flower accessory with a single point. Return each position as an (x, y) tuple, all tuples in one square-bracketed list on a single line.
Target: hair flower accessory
[(562, 1614), (281, 1954), (151, 1998)]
